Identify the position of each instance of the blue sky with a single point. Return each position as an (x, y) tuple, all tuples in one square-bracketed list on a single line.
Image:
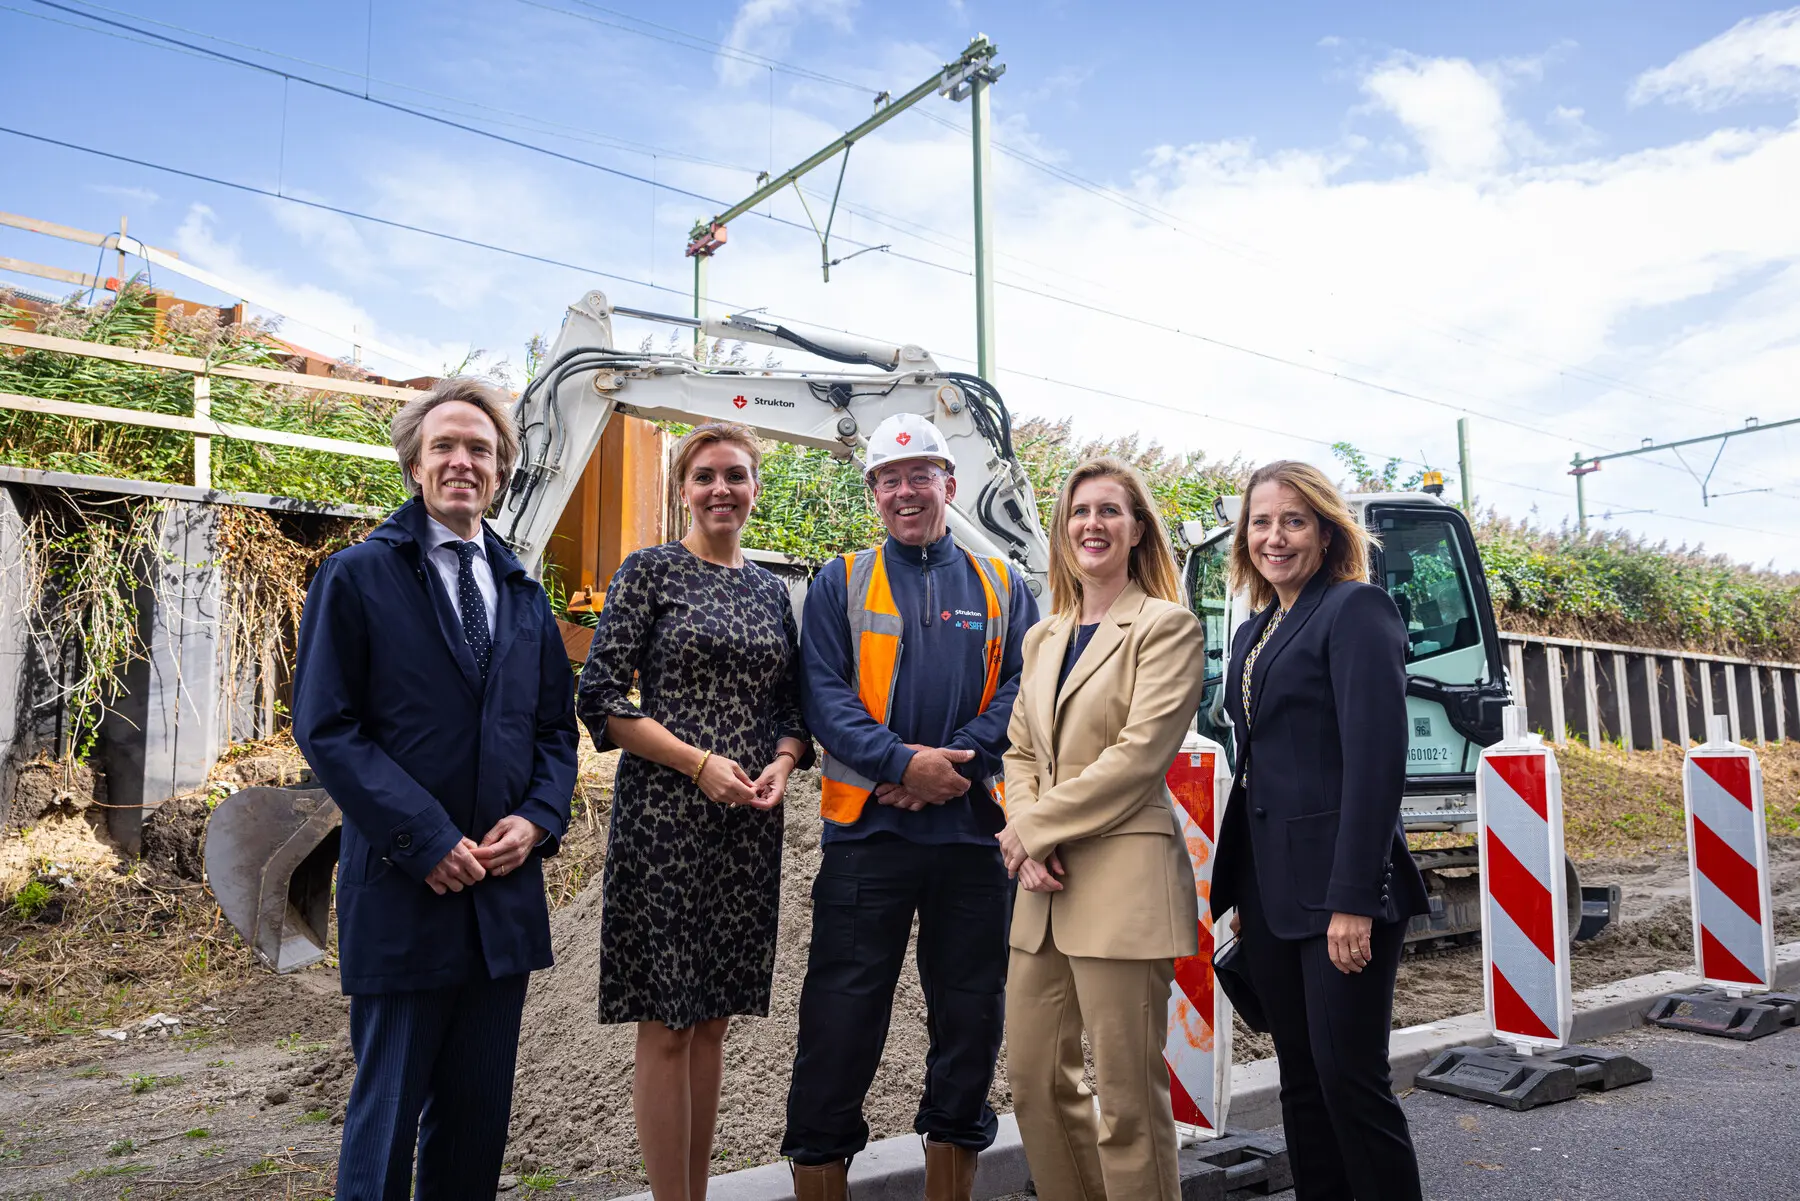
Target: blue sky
[(1564, 220)]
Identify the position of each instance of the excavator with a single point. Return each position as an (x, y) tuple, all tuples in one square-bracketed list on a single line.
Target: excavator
[(270, 852)]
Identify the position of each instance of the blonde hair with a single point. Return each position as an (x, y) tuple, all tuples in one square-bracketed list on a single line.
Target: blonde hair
[(406, 431), (1152, 564), (703, 436), (1347, 541)]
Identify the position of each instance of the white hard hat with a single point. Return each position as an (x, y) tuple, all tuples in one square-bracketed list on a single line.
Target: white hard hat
[(907, 436)]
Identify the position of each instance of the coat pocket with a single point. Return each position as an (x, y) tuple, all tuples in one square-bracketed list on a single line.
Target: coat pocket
[(1312, 847)]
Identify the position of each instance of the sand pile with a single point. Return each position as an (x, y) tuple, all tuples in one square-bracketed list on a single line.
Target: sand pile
[(572, 1102)]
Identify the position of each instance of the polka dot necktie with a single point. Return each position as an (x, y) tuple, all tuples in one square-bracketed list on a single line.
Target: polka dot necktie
[(474, 609)]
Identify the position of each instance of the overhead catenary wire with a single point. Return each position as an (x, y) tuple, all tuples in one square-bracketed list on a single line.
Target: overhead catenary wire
[(1012, 285), (599, 272)]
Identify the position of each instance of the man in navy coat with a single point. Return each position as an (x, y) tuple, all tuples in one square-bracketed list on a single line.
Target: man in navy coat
[(434, 701)]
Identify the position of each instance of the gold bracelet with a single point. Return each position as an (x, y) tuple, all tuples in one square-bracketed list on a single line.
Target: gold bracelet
[(701, 766)]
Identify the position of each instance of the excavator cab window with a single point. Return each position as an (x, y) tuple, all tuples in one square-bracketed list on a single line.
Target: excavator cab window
[(1428, 564), (1208, 592)]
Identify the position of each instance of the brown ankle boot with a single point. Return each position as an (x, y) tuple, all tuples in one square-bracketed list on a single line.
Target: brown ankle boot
[(949, 1172), (822, 1182)]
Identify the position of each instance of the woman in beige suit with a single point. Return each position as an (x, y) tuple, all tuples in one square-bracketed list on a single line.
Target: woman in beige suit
[(1106, 901)]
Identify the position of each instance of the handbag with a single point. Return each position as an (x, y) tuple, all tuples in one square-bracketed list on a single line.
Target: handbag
[(1233, 975)]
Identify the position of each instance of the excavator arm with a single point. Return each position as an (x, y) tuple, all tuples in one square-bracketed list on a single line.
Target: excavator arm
[(586, 379)]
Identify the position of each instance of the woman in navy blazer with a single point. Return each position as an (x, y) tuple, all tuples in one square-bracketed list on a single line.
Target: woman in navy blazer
[(1311, 854)]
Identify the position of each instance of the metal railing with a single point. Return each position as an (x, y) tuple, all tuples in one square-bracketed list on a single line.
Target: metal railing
[(201, 424)]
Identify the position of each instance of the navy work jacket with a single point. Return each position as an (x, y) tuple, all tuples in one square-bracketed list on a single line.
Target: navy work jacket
[(1321, 764), (392, 714)]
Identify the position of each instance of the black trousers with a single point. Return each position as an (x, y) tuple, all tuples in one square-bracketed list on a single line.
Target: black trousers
[(434, 1068), (864, 899), (1346, 1133)]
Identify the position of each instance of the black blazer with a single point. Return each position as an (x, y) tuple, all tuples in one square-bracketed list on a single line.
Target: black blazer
[(1316, 797)]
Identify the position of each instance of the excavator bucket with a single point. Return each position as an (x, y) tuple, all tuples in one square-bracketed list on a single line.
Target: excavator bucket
[(269, 857)]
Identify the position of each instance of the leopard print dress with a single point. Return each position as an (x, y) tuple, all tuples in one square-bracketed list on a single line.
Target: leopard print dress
[(692, 888)]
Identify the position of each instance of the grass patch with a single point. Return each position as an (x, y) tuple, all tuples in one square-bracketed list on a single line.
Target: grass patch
[(124, 1146), (116, 1169), (143, 1082), (316, 1115), (197, 1132), (540, 1182), (31, 900), (263, 1167), (293, 1043), (92, 1073)]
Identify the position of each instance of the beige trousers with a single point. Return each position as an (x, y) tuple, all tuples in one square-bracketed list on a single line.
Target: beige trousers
[(1127, 1151)]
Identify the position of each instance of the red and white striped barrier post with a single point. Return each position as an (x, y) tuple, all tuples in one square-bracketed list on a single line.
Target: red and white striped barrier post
[(1524, 942), (1728, 864), (1198, 1050)]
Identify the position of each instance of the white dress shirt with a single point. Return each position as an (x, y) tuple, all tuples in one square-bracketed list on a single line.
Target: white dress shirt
[(443, 557)]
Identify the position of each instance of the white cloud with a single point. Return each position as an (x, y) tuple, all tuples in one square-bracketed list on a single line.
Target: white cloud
[(307, 312), (766, 27), (143, 196), (1455, 110), (1757, 57)]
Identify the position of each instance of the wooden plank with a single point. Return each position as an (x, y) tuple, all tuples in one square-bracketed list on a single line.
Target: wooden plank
[(575, 639), (192, 425), (202, 442), (1731, 702), (1756, 705), (1707, 708), (179, 362), (1590, 696), (56, 273), (1681, 706), (68, 233), (1653, 687), (1622, 698), (1559, 725)]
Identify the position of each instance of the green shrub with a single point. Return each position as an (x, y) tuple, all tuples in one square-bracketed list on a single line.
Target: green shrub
[(31, 900)]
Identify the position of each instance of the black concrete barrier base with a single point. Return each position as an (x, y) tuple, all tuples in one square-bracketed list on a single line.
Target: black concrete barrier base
[(1240, 1165), (1500, 1076), (1707, 1010)]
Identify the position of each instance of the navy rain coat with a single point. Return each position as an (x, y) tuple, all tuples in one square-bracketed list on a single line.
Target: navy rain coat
[(391, 712)]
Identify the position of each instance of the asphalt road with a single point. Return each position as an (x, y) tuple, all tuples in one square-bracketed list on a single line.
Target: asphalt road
[(1720, 1122)]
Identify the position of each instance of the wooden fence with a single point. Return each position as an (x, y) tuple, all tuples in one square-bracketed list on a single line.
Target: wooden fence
[(1641, 698)]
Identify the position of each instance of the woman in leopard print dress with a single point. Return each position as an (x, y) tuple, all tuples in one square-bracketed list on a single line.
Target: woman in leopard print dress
[(693, 857)]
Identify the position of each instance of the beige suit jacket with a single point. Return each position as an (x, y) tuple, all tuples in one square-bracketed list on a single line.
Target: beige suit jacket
[(1087, 777)]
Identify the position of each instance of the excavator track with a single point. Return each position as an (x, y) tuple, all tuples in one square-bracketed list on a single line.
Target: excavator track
[(1453, 888)]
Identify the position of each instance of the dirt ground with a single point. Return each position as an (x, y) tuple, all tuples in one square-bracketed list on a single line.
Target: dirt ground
[(230, 1082)]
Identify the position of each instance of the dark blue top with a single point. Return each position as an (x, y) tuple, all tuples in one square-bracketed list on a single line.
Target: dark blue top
[(1077, 644), (937, 688)]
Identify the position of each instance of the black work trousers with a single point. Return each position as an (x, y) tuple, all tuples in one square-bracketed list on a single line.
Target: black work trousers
[(864, 899), (1346, 1133)]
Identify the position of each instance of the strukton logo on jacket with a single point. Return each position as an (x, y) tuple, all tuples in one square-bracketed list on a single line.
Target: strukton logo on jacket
[(740, 401), (944, 616)]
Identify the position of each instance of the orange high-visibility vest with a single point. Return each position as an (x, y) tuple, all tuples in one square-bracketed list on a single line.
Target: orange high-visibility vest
[(875, 644)]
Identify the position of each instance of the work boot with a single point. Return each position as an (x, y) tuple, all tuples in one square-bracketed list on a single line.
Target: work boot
[(821, 1182), (949, 1171)]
